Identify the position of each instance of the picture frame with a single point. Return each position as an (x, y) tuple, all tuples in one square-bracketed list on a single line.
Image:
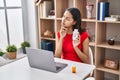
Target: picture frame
[(111, 64)]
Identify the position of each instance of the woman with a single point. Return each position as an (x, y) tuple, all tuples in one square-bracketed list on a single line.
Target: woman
[(66, 47)]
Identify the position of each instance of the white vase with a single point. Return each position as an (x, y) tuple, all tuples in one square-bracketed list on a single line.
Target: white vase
[(89, 9)]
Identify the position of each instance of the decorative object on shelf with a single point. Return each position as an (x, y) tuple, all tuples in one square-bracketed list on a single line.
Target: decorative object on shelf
[(103, 10), (89, 8), (111, 64), (11, 51), (25, 44), (111, 19), (111, 41), (115, 16), (52, 14), (48, 33)]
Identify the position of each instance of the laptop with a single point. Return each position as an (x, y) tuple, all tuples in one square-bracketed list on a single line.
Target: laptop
[(43, 59)]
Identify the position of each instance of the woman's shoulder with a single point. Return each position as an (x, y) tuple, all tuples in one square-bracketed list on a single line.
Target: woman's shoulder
[(84, 33)]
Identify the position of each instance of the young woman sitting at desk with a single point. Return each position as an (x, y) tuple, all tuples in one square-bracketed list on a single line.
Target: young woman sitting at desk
[(67, 47)]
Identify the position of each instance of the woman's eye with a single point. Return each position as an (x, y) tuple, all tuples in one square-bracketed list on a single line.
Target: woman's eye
[(68, 19)]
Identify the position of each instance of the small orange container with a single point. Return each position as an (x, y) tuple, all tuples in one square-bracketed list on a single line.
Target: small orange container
[(73, 69)]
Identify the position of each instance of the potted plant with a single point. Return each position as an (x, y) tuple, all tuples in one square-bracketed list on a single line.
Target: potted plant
[(11, 51), (25, 44), (2, 59), (1, 53)]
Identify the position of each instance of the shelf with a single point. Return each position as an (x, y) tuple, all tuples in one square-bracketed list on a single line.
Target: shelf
[(108, 70), (58, 18), (106, 45), (109, 21), (53, 39), (47, 18), (89, 20)]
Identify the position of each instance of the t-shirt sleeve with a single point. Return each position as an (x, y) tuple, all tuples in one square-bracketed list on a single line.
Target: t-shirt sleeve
[(84, 36)]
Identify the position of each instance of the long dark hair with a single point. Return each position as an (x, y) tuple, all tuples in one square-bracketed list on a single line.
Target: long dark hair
[(77, 17)]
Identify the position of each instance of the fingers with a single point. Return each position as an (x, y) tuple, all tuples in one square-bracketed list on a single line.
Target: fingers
[(76, 42), (63, 29), (78, 38)]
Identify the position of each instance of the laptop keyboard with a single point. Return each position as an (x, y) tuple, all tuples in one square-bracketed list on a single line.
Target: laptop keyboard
[(58, 67)]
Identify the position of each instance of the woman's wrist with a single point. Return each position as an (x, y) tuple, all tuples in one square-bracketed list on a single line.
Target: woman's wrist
[(76, 47)]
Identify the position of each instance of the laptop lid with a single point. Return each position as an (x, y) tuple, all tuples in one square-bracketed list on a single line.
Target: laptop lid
[(43, 59)]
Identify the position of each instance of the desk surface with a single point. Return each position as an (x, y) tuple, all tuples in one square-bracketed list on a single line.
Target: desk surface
[(20, 70)]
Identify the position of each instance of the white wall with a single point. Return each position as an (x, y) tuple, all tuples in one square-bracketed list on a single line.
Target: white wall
[(31, 29)]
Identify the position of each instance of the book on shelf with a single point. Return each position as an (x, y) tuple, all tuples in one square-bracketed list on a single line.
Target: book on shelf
[(41, 10), (103, 10), (47, 45), (45, 8), (42, 44)]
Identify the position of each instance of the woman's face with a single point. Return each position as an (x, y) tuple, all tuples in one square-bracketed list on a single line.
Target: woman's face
[(67, 20)]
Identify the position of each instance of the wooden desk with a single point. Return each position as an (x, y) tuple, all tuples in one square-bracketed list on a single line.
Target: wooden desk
[(20, 70)]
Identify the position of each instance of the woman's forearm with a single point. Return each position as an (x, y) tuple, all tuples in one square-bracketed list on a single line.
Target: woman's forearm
[(58, 50), (82, 55)]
